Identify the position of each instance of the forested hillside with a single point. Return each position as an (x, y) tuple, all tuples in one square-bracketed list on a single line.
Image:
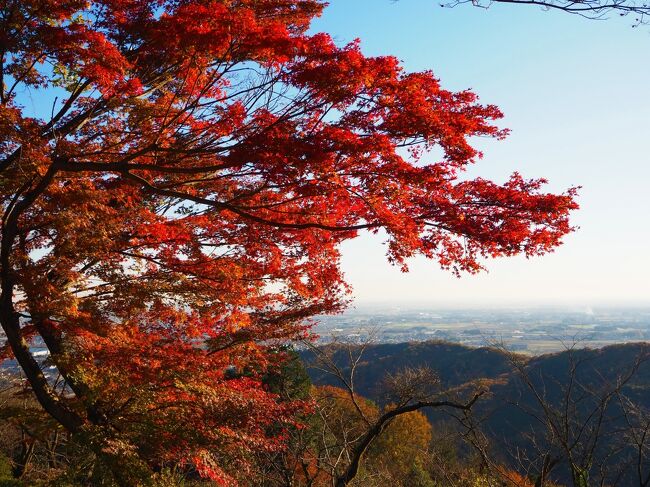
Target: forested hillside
[(455, 364), (576, 416)]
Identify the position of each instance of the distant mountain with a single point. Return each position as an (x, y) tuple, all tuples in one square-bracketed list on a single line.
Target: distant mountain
[(455, 364)]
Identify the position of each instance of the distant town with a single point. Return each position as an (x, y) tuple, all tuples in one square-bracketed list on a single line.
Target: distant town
[(533, 331)]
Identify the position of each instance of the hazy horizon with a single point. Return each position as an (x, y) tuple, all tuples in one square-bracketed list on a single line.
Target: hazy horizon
[(578, 307)]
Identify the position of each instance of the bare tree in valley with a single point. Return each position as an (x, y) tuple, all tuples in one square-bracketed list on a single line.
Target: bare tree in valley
[(582, 421), (637, 437), (412, 389)]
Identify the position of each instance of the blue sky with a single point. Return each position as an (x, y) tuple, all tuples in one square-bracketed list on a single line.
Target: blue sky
[(575, 95)]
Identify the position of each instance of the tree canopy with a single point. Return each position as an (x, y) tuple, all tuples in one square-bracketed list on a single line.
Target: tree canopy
[(177, 212)]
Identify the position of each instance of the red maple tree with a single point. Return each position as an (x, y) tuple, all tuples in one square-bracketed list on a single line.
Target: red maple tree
[(177, 212)]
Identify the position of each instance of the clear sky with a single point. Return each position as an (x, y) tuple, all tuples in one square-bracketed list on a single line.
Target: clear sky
[(576, 95)]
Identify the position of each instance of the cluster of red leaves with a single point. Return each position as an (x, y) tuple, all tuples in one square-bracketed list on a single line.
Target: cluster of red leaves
[(179, 213), (179, 402)]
